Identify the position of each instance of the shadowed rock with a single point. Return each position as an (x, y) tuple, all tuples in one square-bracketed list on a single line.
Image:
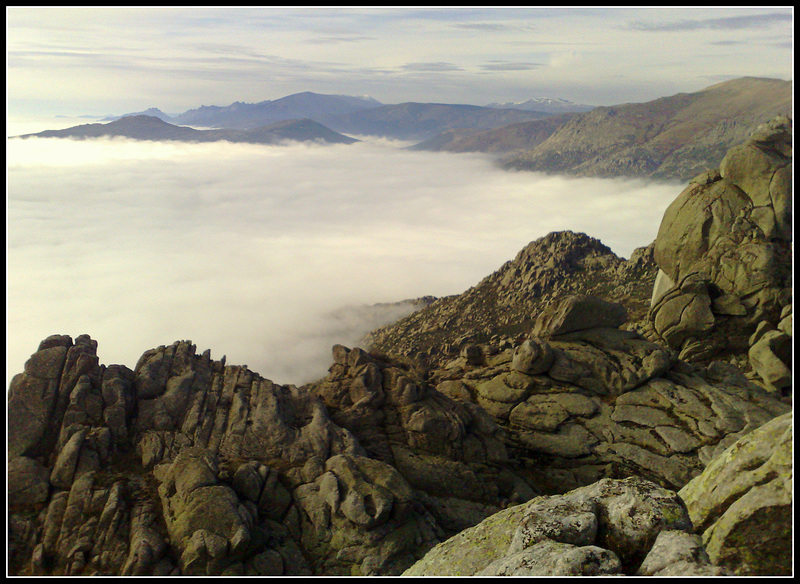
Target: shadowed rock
[(576, 313)]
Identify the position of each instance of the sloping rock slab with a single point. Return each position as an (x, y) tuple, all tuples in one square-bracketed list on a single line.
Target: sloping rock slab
[(742, 502), (609, 527)]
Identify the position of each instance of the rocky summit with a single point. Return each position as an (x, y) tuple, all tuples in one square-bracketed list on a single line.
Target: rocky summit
[(574, 413), (501, 309)]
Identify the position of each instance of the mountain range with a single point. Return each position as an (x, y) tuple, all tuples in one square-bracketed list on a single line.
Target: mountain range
[(670, 138), (331, 114), (348, 114), (420, 121), (675, 137)]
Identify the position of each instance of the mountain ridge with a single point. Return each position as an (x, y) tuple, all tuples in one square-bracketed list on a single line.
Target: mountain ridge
[(244, 116), (551, 105), (503, 305), (674, 137), (669, 138), (151, 128), (522, 136), (358, 115), (421, 121)]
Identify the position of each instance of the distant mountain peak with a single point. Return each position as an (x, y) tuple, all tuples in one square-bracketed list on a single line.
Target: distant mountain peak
[(552, 105), (307, 104), (542, 100), (152, 111), (139, 118)]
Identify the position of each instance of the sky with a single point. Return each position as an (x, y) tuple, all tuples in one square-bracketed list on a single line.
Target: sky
[(115, 60), (253, 251)]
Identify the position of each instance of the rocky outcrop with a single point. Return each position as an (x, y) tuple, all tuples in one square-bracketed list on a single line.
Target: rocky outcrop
[(742, 502), (213, 470), (579, 404), (196, 467), (613, 527), (724, 256), (450, 452), (185, 465), (501, 309)]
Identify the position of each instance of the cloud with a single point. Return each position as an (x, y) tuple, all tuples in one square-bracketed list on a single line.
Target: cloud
[(749, 21), (81, 60), (483, 26), (253, 251), (728, 43), (436, 67), (510, 66), (340, 38)]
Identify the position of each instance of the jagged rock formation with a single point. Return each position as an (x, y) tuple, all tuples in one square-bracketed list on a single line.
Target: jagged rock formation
[(594, 399), (186, 465), (501, 309), (613, 527), (234, 466), (724, 257), (449, 451)]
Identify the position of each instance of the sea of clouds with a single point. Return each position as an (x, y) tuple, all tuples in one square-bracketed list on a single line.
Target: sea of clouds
[(253, 251)]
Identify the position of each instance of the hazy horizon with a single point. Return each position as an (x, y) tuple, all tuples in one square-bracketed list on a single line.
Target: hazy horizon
[(249, 250)]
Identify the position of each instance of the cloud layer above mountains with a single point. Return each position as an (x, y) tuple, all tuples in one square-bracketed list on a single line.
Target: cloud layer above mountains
[(252, 251)]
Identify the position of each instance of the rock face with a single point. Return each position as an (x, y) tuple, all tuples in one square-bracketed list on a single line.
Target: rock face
[(724, 255), (600, 399), (212, 470), (742, 502)]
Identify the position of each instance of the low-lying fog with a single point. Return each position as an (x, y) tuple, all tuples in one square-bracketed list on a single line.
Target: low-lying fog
[(251, 250)]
